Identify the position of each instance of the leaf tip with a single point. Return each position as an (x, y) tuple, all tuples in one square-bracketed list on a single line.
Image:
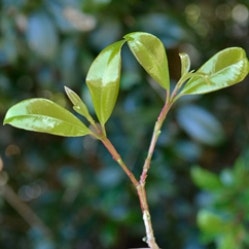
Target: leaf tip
[(6, 119), (5, 122), (67, 90)]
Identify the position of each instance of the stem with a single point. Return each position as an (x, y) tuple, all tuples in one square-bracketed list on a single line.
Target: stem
[(140, 185), (150, 238), (155, 135), (23, 209), (116, 157)]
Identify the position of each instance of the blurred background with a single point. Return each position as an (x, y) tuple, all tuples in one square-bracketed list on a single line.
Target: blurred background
[(68, 193)]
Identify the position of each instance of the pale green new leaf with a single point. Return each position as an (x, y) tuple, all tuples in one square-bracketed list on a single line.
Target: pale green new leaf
[(185, 63), (78, 105), (103, 80), (224, 69), (43, 115), (150, 53)]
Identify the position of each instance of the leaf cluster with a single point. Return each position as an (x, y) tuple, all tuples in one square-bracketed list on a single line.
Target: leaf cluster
[(224, 69)]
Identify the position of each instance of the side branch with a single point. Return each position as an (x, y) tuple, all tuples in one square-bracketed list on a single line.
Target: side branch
[(155, 135), (23, 209), (109, 146)]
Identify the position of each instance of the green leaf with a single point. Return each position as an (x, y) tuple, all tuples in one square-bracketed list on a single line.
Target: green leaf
[(185, 63), (78, 105), (211, 223), (230, 240), (226, 68), (205, 179), (42, 115), (103, 80), (150, 53)]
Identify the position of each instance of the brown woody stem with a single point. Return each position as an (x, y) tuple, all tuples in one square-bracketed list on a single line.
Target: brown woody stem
[(150, 239), (140, 185)]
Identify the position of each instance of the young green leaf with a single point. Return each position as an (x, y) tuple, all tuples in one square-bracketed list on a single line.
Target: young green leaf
[(226, 68), (150, 53), (185, 63), (78, 105), (42, 115), (103, 80)]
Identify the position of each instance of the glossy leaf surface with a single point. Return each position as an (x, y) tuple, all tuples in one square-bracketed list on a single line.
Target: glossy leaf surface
[(103, 80), (224, 69), (42, 115), (150, 53), (78, 105)]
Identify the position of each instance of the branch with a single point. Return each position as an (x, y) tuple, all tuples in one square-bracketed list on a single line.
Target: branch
[(23, 209)]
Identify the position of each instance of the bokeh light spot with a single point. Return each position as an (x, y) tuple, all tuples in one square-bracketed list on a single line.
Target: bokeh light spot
[(12, 150), (240, 13)]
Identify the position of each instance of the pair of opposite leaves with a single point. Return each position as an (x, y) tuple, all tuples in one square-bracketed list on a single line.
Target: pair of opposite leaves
[(224, 69)]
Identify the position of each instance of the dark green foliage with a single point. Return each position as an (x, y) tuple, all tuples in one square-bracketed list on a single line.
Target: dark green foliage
[(224, 219)]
